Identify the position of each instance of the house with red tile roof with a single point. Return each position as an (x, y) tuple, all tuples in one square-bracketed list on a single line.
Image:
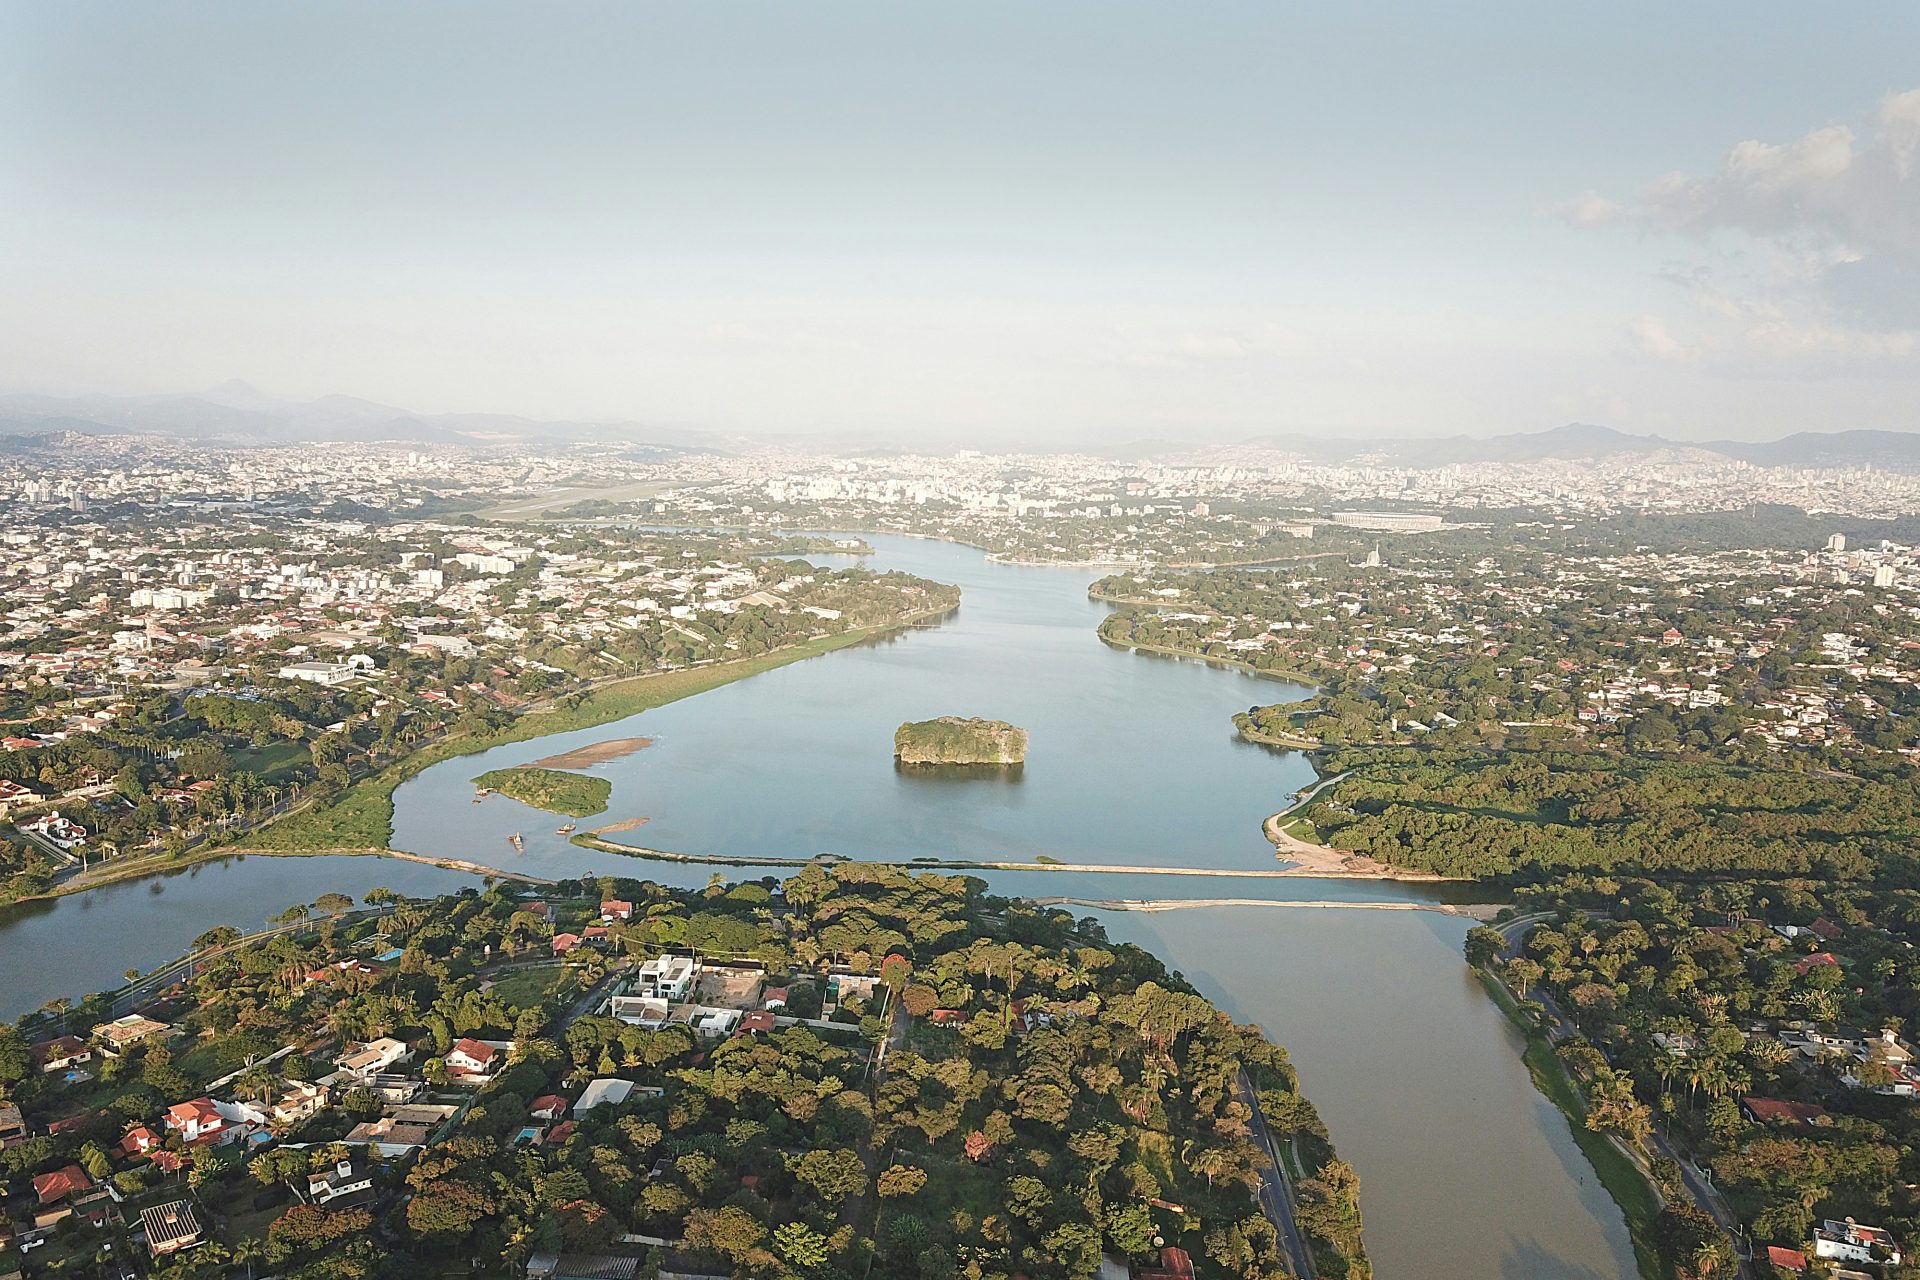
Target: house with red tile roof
[(473, 1058), (1786, 1259), (140, 1140), (757, 1023), (58, 1055), (52, 1188), (1775, 1110), (197, 1121)]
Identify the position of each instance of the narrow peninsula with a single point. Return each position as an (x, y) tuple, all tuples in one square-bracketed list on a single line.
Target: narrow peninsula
[(954, 740)]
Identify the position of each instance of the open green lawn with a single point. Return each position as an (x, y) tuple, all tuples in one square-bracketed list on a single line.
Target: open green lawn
[(573, 795), (526, 988), (275, 762), (1301, 829), (362, 816)]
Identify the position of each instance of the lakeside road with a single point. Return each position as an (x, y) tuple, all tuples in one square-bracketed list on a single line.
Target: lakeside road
[(1276, 1184), (1472, 911)]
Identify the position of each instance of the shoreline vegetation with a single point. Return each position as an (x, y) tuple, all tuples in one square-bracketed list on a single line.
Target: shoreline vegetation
[(953, 740), (571, 795), (1627, 1182), (359, 820)]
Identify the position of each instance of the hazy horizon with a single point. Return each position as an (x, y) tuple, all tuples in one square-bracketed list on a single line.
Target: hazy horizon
[(1060, 225)]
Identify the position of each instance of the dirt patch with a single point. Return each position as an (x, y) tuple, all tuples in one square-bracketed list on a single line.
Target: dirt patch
[(625, 824), (596, 753), (1324, 860)]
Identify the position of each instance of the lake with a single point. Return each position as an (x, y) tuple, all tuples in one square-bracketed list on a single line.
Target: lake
[(1466, 1171)]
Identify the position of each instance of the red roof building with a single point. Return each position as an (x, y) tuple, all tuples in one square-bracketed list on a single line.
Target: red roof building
[(1786, 1259), (61, 1183), (1770, 1110)]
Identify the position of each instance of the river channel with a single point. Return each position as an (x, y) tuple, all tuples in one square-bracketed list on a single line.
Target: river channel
[(1466, 1172)]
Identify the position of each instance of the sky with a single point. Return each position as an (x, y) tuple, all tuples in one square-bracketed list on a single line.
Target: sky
[(1059, 223)]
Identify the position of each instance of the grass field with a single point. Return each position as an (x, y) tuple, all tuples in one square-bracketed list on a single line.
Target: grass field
[(573, 795), (361, 817), (527, 988), (274, 762)]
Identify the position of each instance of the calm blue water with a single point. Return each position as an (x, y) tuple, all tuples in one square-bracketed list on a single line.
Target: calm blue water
[(1133, 758)]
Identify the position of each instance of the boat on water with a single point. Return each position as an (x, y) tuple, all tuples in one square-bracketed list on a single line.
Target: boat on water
[(518, 842), (565, 828)]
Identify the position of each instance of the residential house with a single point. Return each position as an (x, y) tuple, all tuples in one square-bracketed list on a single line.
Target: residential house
[(612, 909), (605, 1091), (59, 1054), (198, 1121), (170, 1228), (13, 1126), (1791, 1260), (140, 1141), (62, 833), (343, 1180), (130, 1030), (400, 1130), (1775, 1110), (475, 1060), (548, 1106), (362, 1062), (59, 1184), (1850, 1241), (668, 978)]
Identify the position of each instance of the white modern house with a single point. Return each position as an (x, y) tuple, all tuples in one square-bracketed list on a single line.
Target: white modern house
[(1849, 1241)]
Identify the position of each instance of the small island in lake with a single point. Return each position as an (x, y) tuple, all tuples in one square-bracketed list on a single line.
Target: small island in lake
[(956, 740), (576, 795)]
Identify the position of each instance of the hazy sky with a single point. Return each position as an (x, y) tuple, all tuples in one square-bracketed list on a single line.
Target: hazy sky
[(1064, 220)]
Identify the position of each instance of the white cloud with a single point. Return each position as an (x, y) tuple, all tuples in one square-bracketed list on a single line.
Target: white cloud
[(1588, 209), (1651, 335), (1809, 249)]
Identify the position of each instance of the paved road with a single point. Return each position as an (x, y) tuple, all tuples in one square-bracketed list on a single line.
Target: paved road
[(1276, 1188), (1705, 1195)]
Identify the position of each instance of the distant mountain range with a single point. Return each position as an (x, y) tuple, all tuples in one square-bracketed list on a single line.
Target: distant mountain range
[(240, 414), (1893, 450)]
